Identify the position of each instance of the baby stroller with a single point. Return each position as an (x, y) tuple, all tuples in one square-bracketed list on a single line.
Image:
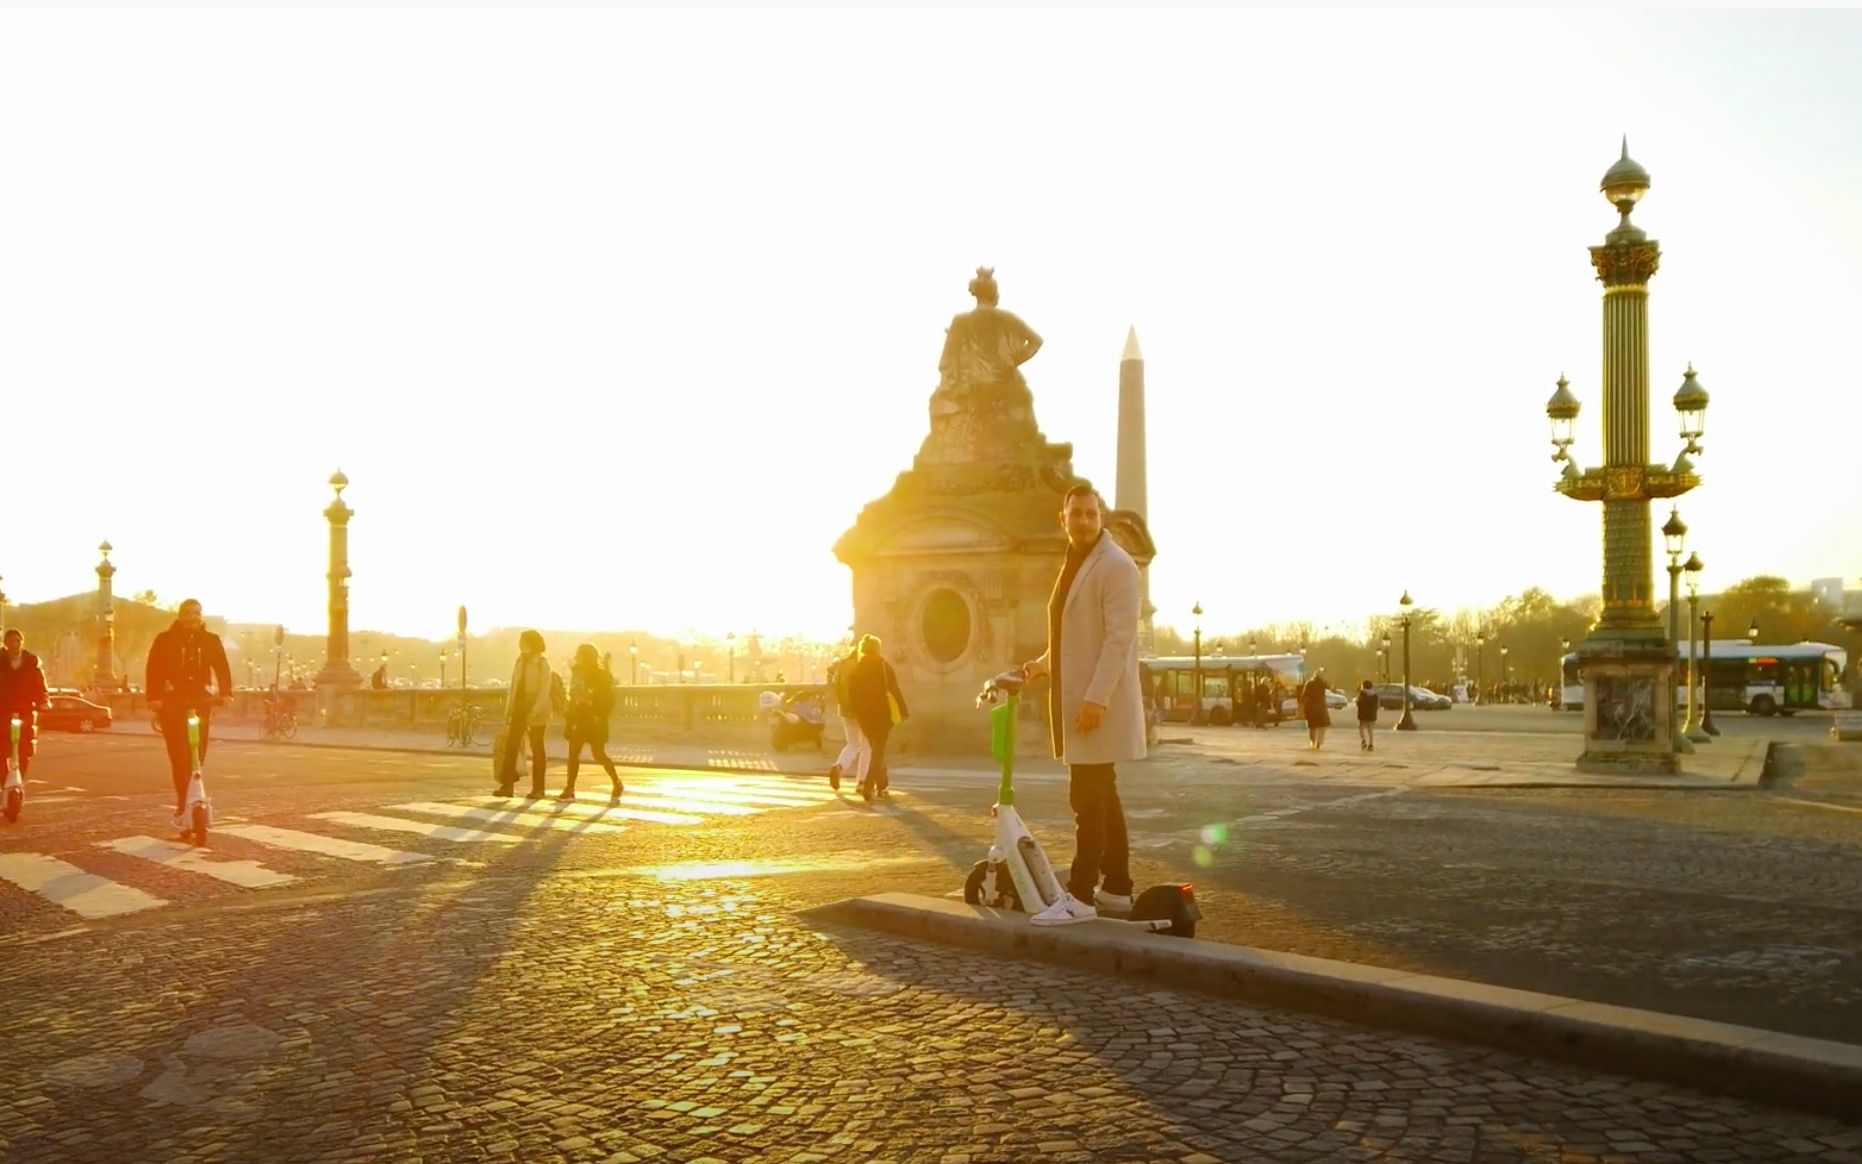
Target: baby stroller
[(795, 720)]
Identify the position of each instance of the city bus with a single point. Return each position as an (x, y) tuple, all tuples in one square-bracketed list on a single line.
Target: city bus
[(1741, 676), (1173, 681)]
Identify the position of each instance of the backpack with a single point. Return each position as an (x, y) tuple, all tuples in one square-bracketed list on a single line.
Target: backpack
[(559, 699)]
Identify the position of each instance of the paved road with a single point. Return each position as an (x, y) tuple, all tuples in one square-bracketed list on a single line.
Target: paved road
[(461, 980)]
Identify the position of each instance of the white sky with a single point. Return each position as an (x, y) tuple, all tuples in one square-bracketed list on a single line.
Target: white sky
[(617, 319)]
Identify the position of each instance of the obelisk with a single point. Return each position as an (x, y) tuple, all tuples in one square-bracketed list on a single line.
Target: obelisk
[(1131, 490)]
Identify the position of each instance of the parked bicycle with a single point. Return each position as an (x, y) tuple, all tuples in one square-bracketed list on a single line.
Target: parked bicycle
[(280, 723), (462, 724)]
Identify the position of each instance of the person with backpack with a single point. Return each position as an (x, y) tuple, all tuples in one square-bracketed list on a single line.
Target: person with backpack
[(1367, 717), (840, 675), (879, 705), (585, 721), (536, 692)]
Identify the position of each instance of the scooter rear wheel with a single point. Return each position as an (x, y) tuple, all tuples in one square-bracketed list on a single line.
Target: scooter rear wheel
[(197, 820), (1006, 897), (15, 800)]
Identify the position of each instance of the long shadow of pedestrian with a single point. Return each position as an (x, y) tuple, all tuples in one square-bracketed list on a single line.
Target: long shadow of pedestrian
[(298, 1012)]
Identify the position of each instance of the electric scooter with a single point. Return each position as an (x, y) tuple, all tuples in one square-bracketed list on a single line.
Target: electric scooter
[(1017, 875), (15, 794), (197, 810)]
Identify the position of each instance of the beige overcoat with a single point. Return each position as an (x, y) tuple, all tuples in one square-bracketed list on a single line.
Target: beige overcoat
[(1099, 661)]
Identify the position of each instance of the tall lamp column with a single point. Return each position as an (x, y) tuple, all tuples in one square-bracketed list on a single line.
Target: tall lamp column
[(1408, 722), (1196, 681), (1692, 569), (1674, 538)]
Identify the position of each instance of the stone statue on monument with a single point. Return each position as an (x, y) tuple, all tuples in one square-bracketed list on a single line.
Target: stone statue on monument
[(979, 372)]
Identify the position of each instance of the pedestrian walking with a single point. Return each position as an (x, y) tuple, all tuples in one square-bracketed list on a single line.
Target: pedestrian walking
[(840, 672), (1367, 717), (527, 710), (186, 667), (585, 720), (1095, 710), (1312, 706), (879, 706)]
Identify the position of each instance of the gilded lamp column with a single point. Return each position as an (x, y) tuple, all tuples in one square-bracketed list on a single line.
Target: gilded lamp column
[(106, 623), (1625, 263), (336, 669), (1628, 660)]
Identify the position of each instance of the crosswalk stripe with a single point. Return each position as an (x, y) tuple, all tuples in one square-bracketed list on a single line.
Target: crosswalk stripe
[(727, 794), (303, 842), (394, 824), (665, 802), (591, 809), (772, 782), (67, 886), (535, 819), (175, 855)]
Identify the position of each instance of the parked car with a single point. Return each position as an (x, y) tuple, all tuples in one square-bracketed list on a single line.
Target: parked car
[(1335, 700), (1390, 696), (74, 713)]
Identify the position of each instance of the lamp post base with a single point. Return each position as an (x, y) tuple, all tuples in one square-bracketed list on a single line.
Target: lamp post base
[(1407, 723), (1629, 726)]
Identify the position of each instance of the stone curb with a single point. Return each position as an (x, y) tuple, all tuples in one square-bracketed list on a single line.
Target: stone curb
[(1808, 1074)]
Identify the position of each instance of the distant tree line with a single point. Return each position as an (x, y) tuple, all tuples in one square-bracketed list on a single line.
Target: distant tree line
[(1532, 626)]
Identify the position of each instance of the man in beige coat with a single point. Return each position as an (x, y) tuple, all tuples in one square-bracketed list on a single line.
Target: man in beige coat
[(1095, 708)]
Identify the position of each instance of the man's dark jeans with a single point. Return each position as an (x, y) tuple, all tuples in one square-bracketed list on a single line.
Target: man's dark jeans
[(173, 718), (1100, 843)]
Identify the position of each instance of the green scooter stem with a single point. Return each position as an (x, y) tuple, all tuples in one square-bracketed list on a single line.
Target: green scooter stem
[(193, 741), (1002, 743)]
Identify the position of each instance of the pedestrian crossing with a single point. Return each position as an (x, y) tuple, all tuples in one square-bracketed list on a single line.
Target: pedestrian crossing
[(401, 834)]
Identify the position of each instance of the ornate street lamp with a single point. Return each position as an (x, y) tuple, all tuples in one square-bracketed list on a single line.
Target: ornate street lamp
[(1196, 685), (443, 657), (1692, 568), (1625, 651), (1408, 722), (1706, 674), (633, 662), (1503, 671), (730, 641), (1480, 667), (1674, 540), (1386, 659), (1752, 632)]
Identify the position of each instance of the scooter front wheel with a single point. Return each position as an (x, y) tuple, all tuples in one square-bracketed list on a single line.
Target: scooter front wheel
[(15, 800)]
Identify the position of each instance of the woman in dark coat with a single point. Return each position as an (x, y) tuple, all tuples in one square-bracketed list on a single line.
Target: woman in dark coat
[(1312, 706), (585, 719), (873, 689)]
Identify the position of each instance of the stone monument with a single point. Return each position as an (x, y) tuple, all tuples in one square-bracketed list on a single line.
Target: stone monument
[(952, 567)]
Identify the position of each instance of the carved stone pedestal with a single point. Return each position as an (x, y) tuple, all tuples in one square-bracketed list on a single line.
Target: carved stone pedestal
[(1628, 707)]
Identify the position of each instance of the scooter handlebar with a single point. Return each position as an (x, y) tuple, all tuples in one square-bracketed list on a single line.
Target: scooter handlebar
[(998, 689)]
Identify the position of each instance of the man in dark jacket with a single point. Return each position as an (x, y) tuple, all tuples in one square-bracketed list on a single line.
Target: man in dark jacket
[(878, 704), (22, 694), (182, 661)]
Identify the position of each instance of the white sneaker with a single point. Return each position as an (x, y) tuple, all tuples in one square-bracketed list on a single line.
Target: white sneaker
[(1065, 912), (1113, 902), (180, 822)]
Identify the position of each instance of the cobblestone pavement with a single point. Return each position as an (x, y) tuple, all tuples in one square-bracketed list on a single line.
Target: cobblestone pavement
[(1744, 907), (525, 1013)]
